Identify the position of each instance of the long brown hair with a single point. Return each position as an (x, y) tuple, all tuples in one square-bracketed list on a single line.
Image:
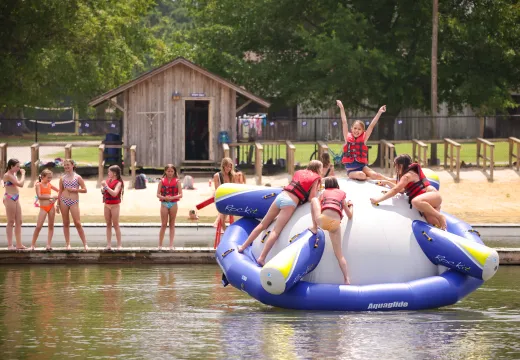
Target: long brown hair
[(227, 161), (168, 166), (331, 183), (325, 159), (11, 164), (405, 161), (117, 170)]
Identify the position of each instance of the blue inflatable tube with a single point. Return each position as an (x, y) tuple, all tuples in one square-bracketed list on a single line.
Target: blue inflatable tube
[(242, 272)]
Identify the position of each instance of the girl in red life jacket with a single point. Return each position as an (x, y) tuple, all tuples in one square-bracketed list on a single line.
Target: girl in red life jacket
[(355, 150), (327, 212), (305, 185), (113, 189), (225, 175), (422, 196), (169, 191)]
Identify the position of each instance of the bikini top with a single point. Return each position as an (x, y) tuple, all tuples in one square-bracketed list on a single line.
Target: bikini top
[(45, 190), (8, 183), (71, 184)]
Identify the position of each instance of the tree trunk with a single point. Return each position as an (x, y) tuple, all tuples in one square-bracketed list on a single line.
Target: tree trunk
[(435, 31)]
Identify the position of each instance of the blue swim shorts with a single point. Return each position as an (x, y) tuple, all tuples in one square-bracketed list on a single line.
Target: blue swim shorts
[(283, 199), (354, 166)]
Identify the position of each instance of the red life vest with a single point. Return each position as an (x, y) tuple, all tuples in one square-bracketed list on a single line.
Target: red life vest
[(355, 150), (169, 188), (413, 189), (109, 199), (333, 199), (301, 184)]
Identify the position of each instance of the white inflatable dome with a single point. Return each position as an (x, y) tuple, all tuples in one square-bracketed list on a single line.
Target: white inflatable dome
[(378, 242)]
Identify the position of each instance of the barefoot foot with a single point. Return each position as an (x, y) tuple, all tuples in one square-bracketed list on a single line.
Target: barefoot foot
[(31, 248), (22, 247), (11, 247), (68, 247)]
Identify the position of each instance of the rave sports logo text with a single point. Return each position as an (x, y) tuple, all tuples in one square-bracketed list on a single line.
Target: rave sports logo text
[(395, 304)]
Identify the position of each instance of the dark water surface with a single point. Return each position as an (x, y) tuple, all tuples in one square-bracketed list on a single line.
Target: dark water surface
[(180, 312)]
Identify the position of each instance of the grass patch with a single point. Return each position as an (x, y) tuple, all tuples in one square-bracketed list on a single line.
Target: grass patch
[(28, 139), (82, 155)]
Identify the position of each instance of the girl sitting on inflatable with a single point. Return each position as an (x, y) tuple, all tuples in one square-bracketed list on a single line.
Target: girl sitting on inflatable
[(327, 212), (421, 194), (355, 150), (304, 185)]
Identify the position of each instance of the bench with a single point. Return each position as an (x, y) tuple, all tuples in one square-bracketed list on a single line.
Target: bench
[(512, 142)]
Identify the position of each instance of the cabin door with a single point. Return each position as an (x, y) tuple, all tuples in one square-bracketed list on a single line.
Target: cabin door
[(196, 143)]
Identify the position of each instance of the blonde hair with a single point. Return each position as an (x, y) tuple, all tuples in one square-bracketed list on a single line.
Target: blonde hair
[(43, 174), (227, 161), (360, 123), (72, 162), (315, 166)]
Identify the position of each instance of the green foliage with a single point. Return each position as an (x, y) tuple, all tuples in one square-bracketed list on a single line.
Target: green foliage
[(363, 51), (58, 49)]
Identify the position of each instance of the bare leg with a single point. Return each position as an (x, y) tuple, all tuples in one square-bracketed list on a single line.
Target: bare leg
[(10, 211), (373, 175), (50, 228), (115, 223), (315, 212), (281, 221), (18, 226), (335, 238), (426, 203), (266, 221), (39, 224), (173, 216), (164, 223), (357, 175), (66, 224), (108, 220), (74, 211)]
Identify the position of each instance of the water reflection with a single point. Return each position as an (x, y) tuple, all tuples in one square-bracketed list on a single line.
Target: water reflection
[(136, 312)]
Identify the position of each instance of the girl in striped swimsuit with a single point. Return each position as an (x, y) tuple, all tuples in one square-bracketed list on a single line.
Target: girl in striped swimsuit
[(68, 202)]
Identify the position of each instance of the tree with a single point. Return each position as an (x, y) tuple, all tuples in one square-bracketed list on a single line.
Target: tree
[(57, 49), (365, 52)]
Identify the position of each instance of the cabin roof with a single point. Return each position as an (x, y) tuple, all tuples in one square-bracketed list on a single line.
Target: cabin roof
[(180, 60)]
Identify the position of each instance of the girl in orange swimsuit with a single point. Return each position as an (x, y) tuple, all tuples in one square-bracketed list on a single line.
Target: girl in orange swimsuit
[(43, 192), (13, 210)]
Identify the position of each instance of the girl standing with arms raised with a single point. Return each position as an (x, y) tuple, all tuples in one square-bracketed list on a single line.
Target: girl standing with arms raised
[(71, 184), (113, 189), (13, 209), (43, 193), (355, 150), (169, 193)]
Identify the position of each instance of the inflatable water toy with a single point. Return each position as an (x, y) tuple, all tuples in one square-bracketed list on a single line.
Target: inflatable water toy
[(396, 260)]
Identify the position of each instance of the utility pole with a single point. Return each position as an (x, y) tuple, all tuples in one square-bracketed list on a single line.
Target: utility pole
[(435, 31)]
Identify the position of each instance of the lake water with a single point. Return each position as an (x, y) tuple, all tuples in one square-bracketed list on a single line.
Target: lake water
[(183, 312)]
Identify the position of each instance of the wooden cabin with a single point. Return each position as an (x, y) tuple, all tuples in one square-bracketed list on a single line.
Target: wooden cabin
[(174, 114)]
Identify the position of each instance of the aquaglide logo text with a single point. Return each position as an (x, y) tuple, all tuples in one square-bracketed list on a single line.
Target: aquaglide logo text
[(395, 304)]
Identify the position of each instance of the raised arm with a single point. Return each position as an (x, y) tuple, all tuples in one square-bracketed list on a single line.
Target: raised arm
[(14, 178), (344, 123), (374, 122)]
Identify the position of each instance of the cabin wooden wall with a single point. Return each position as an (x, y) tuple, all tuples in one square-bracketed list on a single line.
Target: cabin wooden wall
[(163, 142)]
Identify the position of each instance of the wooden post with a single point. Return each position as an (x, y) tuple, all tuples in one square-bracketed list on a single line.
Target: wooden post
[(225, 148), (389, 156), (68, 151), (259, 160), (448, 147), (133, 165), (35, 163), (482, 143), (101, 165), (322, 149), (3, 158), (512, 142), (419, 152), (290, 150), (381, 154)]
